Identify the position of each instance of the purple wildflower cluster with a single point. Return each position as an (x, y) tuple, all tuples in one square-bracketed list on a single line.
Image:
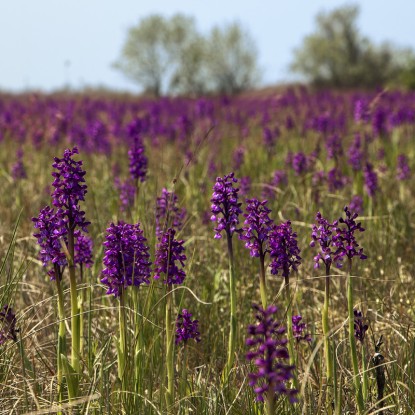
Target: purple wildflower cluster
[(257, 227), (225, 206), (270, 355), (299, 330), (345, 238), (284, 250), (186, 328), (7, 325), (169, 252), (51, 231), (360, 328), (324, 234), (168, 214), (69, 190), (126, 258)]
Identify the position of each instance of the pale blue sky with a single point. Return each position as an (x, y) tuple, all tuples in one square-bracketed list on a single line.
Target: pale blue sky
[(45, 44)]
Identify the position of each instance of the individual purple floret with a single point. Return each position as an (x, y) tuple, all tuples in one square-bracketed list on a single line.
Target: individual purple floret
[(284, 250), (356, 204), (322, 233), (360, 328), (83, 250), (270, 356), (371, 180), (127, 193), (18, 168), (257, 227), (126, 258), (169, 252), (138, 160), (69, 189), (345, 239), (168, 214), (51, 232), (403, 172), (299, 330), (186, 328), (225, 206), (7, 325)]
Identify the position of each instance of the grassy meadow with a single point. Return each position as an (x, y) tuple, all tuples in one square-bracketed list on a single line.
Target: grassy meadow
[(302, 151)]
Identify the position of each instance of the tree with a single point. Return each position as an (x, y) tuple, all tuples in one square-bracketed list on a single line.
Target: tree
[(338, 55), (232, 59), (151, 51), (170, 55)]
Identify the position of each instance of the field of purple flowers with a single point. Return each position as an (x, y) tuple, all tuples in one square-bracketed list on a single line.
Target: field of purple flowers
[(246, 255)]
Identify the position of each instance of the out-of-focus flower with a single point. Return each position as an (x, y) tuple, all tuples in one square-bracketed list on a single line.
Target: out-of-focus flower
[(356, 204), (127, 191), (18, 168), (371, 180), (138, 160)]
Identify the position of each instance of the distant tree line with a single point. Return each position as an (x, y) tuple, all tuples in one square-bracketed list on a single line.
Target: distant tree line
[(337, 55), (169, 55)]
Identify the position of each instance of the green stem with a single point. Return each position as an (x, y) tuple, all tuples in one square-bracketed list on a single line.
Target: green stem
[(81, 311), (270, 403), (232, 331), (365, 374), (290, 335), (61, 348), (326, 329), (169, 350), (262, 280), (352, 341), (75, 326), (122, 350)]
